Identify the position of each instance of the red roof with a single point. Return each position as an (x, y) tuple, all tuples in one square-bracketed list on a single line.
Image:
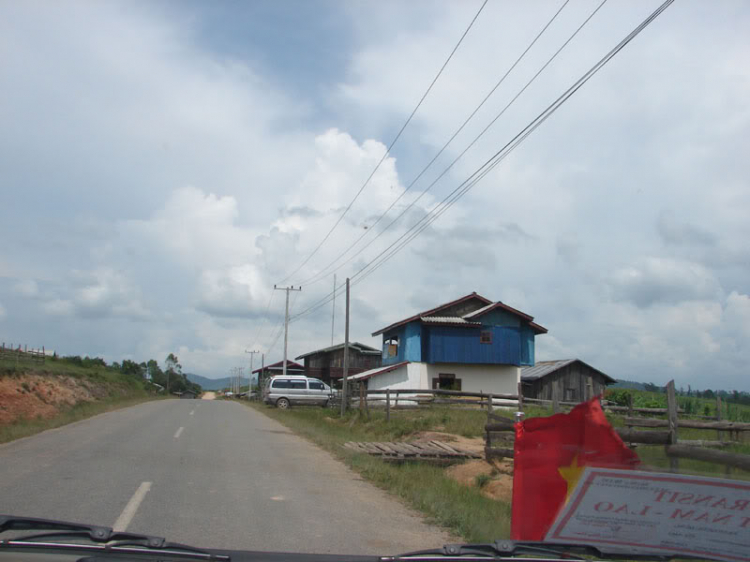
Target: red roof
[(280, 365), (433, 311)]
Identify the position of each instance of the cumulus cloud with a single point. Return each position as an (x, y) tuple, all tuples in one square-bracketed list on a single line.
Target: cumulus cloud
[(193, 181), (663, 280)]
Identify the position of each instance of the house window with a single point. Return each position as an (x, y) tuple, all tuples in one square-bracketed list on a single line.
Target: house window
[(485, 337), (570, 395), (446, 381), (390, 346)]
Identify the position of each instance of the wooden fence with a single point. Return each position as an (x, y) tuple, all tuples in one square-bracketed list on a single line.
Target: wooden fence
[(500, 435), (21, 354)]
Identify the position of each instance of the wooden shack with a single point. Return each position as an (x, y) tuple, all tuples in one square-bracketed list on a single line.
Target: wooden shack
[(567, 380)]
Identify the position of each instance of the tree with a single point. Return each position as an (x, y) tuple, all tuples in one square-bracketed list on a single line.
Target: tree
[(174, 370), (132, 368)]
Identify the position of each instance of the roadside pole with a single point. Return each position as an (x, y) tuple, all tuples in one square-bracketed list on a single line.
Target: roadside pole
[(344, 390), (333, 308), (250, 375), (286, 319)]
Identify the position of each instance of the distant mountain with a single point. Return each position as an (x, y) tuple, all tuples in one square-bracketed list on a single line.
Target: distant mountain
[(209, 384), (633, 385)]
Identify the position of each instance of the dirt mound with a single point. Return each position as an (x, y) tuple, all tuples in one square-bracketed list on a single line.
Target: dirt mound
[(32, 396), (495, 481)]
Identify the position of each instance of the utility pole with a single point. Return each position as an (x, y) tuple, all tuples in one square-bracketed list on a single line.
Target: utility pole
[(260, 375), (333, 308), (286, 319), (344, 395), (250, 376)]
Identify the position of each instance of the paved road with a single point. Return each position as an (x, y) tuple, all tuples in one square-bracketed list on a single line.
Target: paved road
[(214, 474)]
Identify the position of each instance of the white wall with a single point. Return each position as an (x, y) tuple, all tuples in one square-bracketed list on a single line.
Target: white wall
[(411, 375), (500, 379)]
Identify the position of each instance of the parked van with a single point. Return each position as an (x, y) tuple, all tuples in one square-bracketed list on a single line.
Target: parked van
[(284, 391)]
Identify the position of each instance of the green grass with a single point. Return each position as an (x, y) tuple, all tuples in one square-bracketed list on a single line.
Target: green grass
[(461, 509)]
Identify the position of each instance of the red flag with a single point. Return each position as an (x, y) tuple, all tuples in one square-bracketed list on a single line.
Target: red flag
[(550, 454)]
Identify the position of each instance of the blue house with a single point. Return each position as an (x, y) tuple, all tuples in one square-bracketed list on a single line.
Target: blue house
[(470, 344)]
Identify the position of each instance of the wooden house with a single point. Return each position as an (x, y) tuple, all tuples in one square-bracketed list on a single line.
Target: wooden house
[(327, 364), (566, 380)]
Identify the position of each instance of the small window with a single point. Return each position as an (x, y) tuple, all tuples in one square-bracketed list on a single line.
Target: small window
[(570, 394), (485, 337), (281, 383), (316, 385), (298, 384), (390, 346), (446, 381)]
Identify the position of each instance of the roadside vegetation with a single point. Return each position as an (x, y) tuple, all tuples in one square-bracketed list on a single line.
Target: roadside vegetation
[(36, 396), (463, 510), (466, 509)]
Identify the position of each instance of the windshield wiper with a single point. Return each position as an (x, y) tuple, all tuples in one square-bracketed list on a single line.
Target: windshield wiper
[(531, 551), (103, 538)]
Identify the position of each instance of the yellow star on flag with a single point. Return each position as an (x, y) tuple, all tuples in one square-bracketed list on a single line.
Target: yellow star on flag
[(571, 474)]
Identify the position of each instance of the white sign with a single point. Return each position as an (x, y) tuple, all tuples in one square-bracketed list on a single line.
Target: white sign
[(643, 512)]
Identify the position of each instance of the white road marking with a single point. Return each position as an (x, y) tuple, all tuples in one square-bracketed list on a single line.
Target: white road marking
[(127, 514), (179, 431), (192, 412)]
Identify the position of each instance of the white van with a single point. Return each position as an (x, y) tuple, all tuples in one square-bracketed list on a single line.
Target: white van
[(283, 391)]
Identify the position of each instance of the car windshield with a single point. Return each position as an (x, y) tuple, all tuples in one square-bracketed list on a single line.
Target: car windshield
[(376, 277)]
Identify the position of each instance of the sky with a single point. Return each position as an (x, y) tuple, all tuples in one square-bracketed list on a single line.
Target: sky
[(163, 164)]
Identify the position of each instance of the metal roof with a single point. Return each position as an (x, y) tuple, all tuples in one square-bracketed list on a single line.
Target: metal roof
[(433, 311), (362, 348), (290, 366), (544, 368), (448, 320), (375, 372)]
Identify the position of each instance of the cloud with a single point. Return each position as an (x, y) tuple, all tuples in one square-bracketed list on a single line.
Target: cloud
[(679, 233), (171, 178), (27, 288), (663, 280)]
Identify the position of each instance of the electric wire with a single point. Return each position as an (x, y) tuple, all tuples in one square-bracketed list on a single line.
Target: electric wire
[(490, 164), (390, 147)]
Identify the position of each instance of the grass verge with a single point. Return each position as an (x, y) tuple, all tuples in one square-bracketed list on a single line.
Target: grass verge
[(81, 411), (461, 509)]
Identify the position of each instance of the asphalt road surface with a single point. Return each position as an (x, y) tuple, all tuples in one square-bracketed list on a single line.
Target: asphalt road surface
[(213, 474)]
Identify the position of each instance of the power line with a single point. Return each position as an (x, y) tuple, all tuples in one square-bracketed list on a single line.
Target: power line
[(390, 147), (326, 270), (490, 164), (265, 318)]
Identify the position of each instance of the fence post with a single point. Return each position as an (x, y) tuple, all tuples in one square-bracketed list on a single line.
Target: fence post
[(555, 398), (387, 405), (672, 419), (489, 404), (395, 405), (487, 434), (520, 396)]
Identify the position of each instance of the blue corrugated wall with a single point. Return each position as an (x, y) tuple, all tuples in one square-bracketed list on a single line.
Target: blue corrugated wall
[(446, 344), (510, 346)]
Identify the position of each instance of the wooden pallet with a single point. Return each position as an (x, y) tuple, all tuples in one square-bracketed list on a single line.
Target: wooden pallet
[(430, 450)]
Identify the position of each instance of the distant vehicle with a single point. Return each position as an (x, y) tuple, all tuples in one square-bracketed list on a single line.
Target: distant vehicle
[(283, 392)]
